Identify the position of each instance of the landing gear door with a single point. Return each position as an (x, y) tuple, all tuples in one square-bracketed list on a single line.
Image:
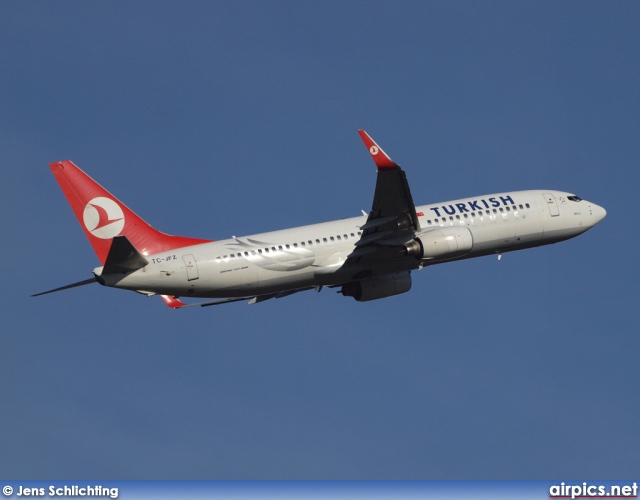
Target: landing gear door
[(551, 204), (192, 267)]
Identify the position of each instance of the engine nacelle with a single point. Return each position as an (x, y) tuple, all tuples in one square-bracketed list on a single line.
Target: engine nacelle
[(378, 287), (440, 244)]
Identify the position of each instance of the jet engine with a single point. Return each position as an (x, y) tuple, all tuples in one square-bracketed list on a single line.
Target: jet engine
[(378, 287), (441, 243)]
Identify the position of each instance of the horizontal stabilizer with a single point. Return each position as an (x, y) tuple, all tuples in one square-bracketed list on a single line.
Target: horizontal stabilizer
[(66, 287), (123, 257)]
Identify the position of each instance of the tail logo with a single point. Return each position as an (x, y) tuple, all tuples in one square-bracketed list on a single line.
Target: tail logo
[(373, 150), (103, 218)]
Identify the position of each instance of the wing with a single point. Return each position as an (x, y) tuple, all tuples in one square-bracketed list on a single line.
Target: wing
[(392, 223), (176, 303)]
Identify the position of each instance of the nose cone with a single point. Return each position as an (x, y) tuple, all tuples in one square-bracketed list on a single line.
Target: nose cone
[(599, 213), (596, 214)]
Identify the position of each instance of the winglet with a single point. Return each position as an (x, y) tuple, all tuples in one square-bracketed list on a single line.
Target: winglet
[(172, 302), (381, 159)]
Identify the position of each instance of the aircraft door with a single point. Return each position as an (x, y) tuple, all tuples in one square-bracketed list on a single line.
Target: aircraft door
[(551, 204), (192, 267)]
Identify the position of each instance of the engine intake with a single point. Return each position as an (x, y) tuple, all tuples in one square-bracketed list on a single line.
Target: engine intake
[(440, 244)]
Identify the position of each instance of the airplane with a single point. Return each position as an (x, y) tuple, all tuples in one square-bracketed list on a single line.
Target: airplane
[(367, 257)]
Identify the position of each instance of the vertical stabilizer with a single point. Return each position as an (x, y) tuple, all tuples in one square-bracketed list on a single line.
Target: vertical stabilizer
[(102, 216)]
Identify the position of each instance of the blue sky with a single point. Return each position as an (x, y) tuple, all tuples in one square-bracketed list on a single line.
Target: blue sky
[(213, 119)]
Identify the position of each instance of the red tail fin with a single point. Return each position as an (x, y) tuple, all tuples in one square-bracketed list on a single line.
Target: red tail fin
[(102, 216)]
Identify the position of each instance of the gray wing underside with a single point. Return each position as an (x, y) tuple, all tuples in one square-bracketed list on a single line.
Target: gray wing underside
[(392, 222)]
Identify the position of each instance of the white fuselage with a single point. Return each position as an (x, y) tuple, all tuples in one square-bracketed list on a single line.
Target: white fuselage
[(313, 255)]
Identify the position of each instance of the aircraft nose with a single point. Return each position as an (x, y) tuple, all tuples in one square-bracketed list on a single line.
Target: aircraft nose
[(598, 213)]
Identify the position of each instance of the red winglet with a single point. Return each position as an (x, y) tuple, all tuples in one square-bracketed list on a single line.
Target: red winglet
[(380, 158), (172, 302)]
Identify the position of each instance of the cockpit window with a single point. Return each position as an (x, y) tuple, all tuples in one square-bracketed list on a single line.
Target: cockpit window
[(574, 198)]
